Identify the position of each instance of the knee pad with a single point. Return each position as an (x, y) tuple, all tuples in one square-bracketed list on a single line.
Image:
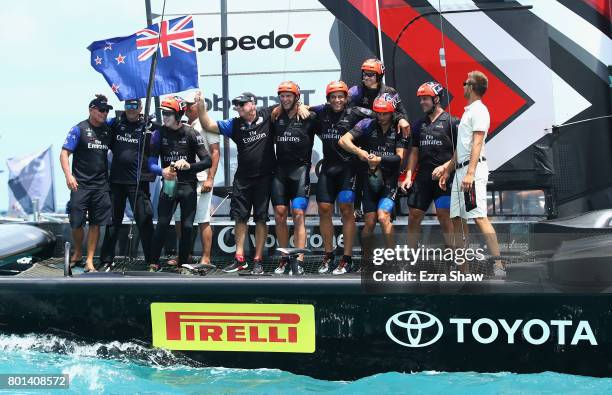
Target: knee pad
[(346, 197), (299, 203), (443, 202), (386, 204)]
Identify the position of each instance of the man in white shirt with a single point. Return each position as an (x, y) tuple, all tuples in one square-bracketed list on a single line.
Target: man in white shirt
[(471, 170), (205, 181)]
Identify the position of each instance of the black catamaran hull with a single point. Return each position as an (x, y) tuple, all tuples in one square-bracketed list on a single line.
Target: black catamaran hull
[(356, 333)]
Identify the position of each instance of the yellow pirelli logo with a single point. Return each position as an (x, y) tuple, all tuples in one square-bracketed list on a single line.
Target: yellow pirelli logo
[(234, 327)]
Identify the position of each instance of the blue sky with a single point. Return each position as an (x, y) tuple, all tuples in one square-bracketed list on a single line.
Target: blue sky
[(45, 74)]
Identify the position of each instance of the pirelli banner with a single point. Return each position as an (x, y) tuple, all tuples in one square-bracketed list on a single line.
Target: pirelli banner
[(234, 327)]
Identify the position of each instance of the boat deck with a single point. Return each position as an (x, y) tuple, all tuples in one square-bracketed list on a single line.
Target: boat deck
[(526, 274)]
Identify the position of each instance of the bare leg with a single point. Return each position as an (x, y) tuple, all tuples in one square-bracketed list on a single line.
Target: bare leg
[(93, 234), (261, 232), (446, 224), (282, 230), (348, 227), (299, 230), (485, 227), (367, 235), (240, 230), (384, 219), (78, 235), (206, 238), (415, 216), (326, 226)]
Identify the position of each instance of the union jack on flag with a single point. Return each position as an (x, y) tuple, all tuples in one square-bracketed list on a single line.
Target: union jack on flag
[(125, 62), (177, 33)]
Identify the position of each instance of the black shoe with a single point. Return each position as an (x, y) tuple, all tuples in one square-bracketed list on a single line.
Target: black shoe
[(235, 266), (257, 268), (283, 266), (296, 268)]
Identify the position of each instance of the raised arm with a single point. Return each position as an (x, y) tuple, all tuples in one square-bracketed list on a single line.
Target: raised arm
[(207, 122)]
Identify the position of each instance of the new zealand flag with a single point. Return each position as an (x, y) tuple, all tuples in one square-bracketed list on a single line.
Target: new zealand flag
[(125, 62)]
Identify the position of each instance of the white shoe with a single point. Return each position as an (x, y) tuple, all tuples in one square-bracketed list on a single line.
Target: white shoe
[(341, 269), (282, 265), (499, 271)]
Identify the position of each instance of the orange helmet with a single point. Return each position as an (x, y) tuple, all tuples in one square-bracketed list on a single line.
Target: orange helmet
[(173, 103), (289, 86), (384, 103), (374, 65), (432, 89), (336, 86)]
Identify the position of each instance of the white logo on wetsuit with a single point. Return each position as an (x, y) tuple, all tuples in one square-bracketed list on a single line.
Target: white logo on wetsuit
[(253, 136), (97, 144), (331, 134), (430, 140), (381, 151), (288, 139), (127, 139), (174, 156)]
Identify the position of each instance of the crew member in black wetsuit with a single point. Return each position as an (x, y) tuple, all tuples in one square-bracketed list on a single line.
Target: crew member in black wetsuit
[(337, 174), (126, 145), (252, 134), (177, 144), (382, 150), (291, 182), (88, 180), (372, 72), (433, 143)]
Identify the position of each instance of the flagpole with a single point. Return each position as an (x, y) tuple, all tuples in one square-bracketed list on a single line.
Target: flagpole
[(225, 94), (157, 103)]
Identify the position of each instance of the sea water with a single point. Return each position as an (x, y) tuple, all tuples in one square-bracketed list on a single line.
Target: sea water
[(133, 368)]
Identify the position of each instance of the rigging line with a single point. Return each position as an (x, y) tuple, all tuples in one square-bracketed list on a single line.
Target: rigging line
[(455, 187)]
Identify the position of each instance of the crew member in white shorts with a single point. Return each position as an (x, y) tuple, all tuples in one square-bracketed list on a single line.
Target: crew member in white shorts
[(205, 181), (471, 170)]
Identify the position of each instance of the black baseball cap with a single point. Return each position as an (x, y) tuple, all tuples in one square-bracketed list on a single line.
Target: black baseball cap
[(244, 97), (132, 101), (100, 103)]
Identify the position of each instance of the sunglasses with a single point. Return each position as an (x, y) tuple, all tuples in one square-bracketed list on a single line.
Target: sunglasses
[(131, 106), (241, 104), (467, 83), (168, 113), (369, 74), (103, 110)]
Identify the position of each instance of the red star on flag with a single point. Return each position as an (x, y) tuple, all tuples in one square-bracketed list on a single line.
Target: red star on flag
[(98, 60), (120, 59), (115, 88)]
